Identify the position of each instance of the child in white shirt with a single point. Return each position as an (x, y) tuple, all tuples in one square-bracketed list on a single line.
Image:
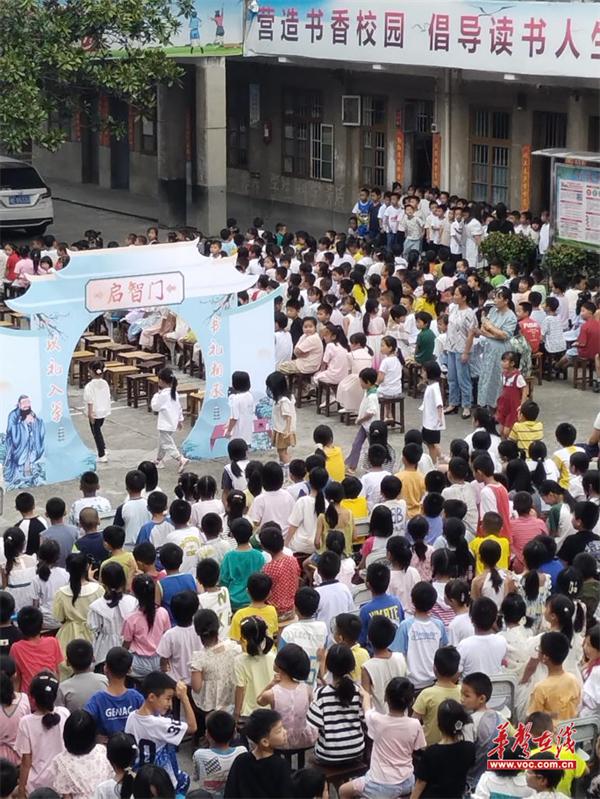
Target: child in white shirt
[(433, 409), (390, 488), (367, 413), (241, 409), (167, 405), (389, 376), (371, 480)]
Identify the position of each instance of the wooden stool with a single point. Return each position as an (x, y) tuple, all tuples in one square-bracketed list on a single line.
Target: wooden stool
[(151, 389), (92, 338), (537, 366), (329, 389), (195, 400), (153, 366), (77, 356), (137, 388), (391, 403), (413, 370), (115, 377), (297, 381), (336, 776), (583, 372)]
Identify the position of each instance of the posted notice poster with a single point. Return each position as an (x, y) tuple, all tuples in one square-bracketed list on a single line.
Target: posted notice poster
[(526, 37), (578, 205)]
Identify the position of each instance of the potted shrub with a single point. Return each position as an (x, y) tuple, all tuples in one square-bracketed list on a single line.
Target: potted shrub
[(508, 247), (568, 260)]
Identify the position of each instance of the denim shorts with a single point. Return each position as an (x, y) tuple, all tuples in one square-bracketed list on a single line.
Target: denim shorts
[(369, 789), (144, 664)]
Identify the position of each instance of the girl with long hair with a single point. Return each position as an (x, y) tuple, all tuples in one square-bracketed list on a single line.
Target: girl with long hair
[(254, 667), (303, 519), (48, 579), (374, 329), (107, 613), (283, 420), (334, 517), (234, 473), (18, 573), (14, 705), (349, 392), (335, 356), (144, 628), (72, 602), (492, 583)]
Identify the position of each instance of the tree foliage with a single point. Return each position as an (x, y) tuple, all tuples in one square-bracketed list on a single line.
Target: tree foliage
[(53, 53)]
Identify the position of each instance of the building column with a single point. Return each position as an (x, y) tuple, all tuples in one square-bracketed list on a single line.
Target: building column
[(455, 152), (209, 194), (577, 123), (171, 105)]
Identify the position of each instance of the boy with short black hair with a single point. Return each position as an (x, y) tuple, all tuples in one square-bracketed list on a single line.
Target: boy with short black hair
[(419, 637), (186, 536), (34, 652), (566, 435), (162, 734), (542, 723), (259, 588), (297, 472), (346, 630), (391, 489), (133, 513), (31, 522), (545, 781), (559, 694), (384, 664), (178, 644), (381, 604), (91, 543), (65, 535), (213, 596), (158, 528), (240, 563), (527, 428), (308, 632), (368, 411), (111, 706), (171, 557), (213, 763), (261, 774), (74, 692), (144, 555), (335, 597), (282, 569), (114, 539), (413, 482), (579, 463), (372, 479), (460, 489), (9, 633), (484, 650), (216, 546), (89, 485), (475, 693), (445, 667), (584, 519)]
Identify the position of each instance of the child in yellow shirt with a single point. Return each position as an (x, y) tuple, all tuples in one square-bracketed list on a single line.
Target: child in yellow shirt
[(559, 694), (259, 588), (491, 525), (334, 457), (356, 504), (347, 631), (527, 428)]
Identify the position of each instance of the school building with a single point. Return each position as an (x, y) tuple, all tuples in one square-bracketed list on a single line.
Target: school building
[(295, 127)]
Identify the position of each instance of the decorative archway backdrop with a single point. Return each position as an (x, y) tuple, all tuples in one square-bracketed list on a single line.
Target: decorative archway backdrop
[(38, 441)]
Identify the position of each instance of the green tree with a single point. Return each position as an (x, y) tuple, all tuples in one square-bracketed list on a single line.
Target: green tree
[(55, 53)]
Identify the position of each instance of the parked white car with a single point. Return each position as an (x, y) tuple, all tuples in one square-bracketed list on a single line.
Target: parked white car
[(25, 200)]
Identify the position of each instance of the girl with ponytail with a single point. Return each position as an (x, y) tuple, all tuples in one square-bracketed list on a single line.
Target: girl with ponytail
[(303, 519), (493, 583), (234, 477), (72, 602), (513, 627), (49, 578), (335, 356), (121, 753), (335, 517), (534, 585), (254, 667), (14, 706), (144, 628), (107, 613), (349, 392), (167, 405), (18, 572), (340, 702), (458, 597), (40, 735), (561, 617), (541, 467), (374, 329)]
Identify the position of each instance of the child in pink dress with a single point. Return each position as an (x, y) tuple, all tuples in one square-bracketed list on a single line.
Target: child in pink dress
[(290, 696), (13, 706), (83, 765)]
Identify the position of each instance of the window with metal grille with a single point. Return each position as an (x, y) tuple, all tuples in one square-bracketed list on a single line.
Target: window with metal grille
[(307, 144), (490, 155), (237, 126), (549, 129), (373, 142)]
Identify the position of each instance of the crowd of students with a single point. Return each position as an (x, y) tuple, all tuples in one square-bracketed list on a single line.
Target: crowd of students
[(259, 619)]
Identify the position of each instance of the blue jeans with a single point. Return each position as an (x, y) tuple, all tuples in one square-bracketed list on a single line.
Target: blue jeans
[(459, 381), (369, 789), (391, 241)]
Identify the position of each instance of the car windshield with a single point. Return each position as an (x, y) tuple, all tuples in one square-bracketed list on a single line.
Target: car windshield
[(19, 177)]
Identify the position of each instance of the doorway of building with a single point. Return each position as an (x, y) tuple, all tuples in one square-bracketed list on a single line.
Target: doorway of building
[(549, 130), (119, 147)]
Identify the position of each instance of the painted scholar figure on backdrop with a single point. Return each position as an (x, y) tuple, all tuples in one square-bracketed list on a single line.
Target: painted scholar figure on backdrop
[(24, 447)]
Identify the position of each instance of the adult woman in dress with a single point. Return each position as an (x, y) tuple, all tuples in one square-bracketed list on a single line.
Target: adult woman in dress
[(496, 328), (462, 324)]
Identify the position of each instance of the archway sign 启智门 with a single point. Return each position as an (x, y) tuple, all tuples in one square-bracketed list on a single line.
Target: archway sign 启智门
[(38, 441)]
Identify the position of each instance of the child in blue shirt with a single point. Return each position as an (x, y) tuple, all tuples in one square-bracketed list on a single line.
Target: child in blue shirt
[(382, 604), (157, 504), (112, 706), (433, 505), (171, 557), (420, 637)]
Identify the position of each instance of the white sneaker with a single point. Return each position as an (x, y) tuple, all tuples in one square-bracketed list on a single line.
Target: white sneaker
[(182, 464), (103, 459)]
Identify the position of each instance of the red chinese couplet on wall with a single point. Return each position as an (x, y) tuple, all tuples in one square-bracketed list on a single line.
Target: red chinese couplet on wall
[(525, 177), (399, 156), (436, 159)]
